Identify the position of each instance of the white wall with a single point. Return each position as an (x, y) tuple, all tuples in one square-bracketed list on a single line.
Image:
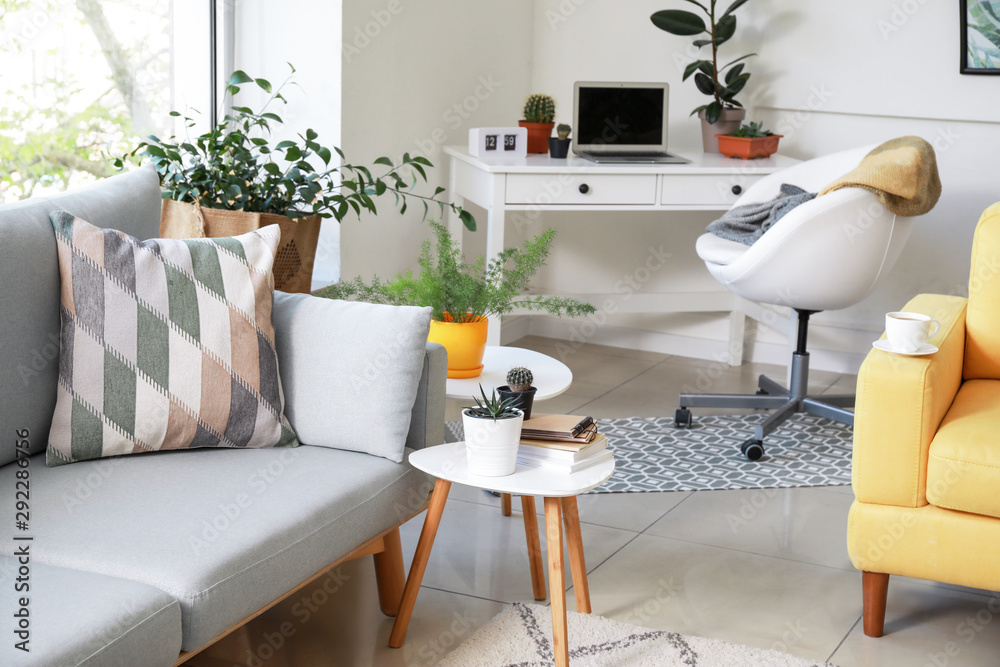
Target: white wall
[(416, 77), (305, 33), (830, 75)]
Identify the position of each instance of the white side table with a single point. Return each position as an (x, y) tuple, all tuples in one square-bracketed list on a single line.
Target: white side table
[(552, 377), (448, 463)]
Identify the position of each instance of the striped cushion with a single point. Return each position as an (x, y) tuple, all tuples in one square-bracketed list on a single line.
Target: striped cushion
[(166, 344)]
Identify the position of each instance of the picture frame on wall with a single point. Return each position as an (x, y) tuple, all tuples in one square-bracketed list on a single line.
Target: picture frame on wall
[(980, 36)]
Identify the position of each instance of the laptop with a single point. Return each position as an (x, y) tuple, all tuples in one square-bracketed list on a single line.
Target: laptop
[(623, 123)]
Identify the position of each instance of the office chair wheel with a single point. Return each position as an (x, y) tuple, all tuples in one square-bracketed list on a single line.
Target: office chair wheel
[(682, 418), (752, 449)]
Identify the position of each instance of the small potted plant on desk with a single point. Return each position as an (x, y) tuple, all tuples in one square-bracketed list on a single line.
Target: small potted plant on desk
[(539, 114), (492, 434), (748, 142), (559, 145), (519, 389)]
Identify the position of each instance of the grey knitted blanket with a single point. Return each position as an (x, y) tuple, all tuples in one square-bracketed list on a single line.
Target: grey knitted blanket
[(747, 223)]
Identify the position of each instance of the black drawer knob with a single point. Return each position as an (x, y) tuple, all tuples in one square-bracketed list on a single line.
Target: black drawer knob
[(737, 189), (584, 188)]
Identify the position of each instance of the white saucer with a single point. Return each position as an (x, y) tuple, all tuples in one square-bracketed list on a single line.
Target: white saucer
[(884, 345)]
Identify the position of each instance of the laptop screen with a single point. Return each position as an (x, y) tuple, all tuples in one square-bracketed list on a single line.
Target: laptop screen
[(621, 116)]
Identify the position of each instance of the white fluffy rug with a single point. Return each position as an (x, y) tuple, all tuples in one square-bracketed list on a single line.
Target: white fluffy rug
[(521, 636)]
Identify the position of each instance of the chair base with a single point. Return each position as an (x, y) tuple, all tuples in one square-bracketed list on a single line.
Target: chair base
[(773, 396)]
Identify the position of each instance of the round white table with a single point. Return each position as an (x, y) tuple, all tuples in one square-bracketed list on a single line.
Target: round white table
[(552, 377), (449, 465)]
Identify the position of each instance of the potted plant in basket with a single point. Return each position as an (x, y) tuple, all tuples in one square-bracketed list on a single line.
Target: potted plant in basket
[(236, 178), (462, 295), (492, 434), (519, 389), (748, 142), (539, 114), (724, 113), (559, 145)]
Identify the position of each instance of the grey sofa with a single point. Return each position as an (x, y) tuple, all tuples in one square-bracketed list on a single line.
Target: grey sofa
[(145, 560)]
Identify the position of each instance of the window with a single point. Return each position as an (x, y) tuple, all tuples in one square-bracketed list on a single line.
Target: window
[(84, 79)]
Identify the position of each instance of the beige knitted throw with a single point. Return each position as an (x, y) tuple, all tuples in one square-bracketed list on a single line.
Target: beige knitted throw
[(902, 173)]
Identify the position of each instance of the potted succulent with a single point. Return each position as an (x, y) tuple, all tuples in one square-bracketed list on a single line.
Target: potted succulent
[(235, 178), (748, 142), (519, 389), (492, 434), (462, 295), (539, 114), (722, 83), (559, 145)]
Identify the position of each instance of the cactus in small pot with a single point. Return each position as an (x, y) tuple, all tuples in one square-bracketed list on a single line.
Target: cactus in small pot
[(563, 130), (559, 145), (539, 114), (519, 389)]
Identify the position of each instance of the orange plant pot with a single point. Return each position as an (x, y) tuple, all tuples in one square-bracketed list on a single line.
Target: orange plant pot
[(538, 135), (465, 343), (747, 148)]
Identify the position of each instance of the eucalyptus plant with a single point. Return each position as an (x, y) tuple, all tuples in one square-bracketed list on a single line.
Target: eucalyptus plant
[(465, 292), (709, 77), (236, 166)]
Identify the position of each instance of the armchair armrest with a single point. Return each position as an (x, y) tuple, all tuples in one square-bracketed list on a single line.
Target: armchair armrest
[(900, 404), (427, 420)]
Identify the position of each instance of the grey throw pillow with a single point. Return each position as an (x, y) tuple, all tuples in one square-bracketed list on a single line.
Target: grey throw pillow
[(350, 371)]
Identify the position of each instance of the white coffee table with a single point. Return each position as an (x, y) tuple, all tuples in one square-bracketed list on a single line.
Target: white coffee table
[(552, 377), (449, 465)]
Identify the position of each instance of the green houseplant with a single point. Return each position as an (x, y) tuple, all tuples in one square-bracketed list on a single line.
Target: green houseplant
[(492, 434), (236, 168), (721, 83), (463, 295), (748, 142), (539, 117), (519, 389)]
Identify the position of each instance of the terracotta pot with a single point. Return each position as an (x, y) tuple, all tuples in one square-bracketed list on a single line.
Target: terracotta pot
[(465, 343), (748, 148), (538, 135), (729, 121)]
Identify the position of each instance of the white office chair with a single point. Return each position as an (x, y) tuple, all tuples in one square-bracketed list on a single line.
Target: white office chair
[(827, 253)]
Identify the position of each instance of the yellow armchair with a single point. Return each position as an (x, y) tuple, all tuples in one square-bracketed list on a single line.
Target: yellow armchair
[(926, 469)]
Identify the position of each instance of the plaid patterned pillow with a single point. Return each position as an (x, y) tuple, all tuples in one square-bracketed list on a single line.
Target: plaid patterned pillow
[(166, 344)]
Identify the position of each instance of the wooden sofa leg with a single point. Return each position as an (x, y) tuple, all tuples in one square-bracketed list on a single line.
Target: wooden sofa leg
[(875, 587), (389, 573)]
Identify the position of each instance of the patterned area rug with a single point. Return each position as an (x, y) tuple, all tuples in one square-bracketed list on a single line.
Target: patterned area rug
[(521, 636), (653, 455)]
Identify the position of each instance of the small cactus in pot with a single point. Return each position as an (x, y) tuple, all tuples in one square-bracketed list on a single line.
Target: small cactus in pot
[(559, 145), (539, 114), (519, 389), (563, 130)]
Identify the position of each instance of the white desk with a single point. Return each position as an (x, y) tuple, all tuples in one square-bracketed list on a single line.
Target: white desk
[(539, 183)]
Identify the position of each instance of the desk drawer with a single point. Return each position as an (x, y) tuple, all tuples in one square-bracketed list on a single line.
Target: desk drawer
[(704, 189), (544, 189)]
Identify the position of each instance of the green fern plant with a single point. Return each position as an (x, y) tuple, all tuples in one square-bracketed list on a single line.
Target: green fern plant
[(465, 292)]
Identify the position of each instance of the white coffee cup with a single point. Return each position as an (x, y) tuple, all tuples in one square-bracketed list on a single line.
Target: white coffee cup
[(908, 332)]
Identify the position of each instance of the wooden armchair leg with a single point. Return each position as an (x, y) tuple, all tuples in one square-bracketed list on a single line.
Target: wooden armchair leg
[(390, 574), (875, 588)]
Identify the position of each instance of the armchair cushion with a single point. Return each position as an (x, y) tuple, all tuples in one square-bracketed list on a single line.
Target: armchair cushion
[(963, 468), (900, 405), (982, 360)]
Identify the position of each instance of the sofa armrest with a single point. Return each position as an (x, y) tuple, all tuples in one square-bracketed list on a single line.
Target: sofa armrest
[(900, 404), (427, 420)]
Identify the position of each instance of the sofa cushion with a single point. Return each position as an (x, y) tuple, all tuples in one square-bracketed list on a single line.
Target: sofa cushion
[(224, 532), (963, 466), (982, 323), (29, 300), (86, 619), (350, 370), (166, 344)]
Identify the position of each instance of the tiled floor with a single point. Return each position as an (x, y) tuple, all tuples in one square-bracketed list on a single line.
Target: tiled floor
[(767, 568)]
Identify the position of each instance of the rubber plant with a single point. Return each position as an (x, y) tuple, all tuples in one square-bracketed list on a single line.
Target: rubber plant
[(721, 83)]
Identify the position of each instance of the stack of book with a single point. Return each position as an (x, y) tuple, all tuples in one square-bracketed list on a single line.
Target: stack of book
[(565, 443)]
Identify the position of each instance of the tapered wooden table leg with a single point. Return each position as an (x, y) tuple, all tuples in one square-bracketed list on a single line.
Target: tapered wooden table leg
[(419, 565), (574, 541), (557, 580), (534, 546), (505, 504)]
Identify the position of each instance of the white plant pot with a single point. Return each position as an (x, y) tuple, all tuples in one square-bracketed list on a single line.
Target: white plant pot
[(491, 446)]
